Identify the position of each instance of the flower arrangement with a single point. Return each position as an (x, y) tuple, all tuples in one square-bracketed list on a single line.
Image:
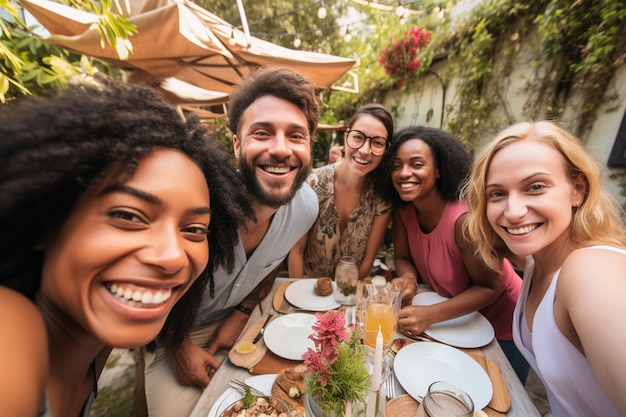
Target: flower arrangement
[(337, 374), (400, 58)]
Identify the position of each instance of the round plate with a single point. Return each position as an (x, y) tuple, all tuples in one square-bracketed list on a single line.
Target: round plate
[(301, 293), (472, 330), (288, 336), (261, 382), (419, 364)]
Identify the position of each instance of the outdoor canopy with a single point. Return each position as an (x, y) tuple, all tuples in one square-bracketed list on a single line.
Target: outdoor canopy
[(192, 54)]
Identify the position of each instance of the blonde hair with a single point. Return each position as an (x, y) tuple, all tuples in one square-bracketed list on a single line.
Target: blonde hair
[(598, 218)]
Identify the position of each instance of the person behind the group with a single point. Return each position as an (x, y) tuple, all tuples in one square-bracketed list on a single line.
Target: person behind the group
[(335, 153), (273, 114), (110, 201), (536, 192), (428, 167), (353, 217)]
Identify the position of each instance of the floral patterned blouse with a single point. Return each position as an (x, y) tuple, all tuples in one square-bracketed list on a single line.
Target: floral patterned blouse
[(324, 244)]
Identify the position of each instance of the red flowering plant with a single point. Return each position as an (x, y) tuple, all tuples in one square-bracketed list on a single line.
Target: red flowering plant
[(337, 368), (401, 57)]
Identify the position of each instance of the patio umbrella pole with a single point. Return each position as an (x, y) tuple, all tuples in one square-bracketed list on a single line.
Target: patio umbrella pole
[(244, 22)]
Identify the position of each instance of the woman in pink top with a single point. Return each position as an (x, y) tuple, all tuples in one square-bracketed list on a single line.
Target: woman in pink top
[(428, 168)]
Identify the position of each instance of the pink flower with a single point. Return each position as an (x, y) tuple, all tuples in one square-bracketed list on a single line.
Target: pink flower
[(315, 363), (401, 57)]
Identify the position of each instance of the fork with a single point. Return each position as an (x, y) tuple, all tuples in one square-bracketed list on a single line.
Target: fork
[(242, 386), (390, 386)]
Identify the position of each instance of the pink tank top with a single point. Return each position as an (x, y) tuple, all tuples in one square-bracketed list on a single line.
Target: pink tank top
[(440, 265)]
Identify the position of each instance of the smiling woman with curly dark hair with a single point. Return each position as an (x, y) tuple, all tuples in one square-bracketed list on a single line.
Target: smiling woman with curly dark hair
[(428, 169), (110, 203)]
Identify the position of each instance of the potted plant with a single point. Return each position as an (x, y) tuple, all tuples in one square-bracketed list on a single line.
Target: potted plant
[(338, 377)]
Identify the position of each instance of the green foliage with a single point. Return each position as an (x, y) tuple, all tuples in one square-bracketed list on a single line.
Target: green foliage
[(30, 66), (278, 21), (578, 48), (115, 402), (349, 382)]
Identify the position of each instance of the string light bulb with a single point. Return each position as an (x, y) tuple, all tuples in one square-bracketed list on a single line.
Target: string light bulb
[(297, 42), (348, 36), (322, 12), (400, 10)]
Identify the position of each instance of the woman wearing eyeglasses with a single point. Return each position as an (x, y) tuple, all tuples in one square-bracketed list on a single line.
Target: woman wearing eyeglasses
[(353, 216)]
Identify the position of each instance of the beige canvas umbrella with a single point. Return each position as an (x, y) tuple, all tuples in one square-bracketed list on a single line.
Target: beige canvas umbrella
[(191, 53)]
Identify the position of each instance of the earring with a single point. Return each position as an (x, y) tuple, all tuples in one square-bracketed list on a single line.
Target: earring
[(577, 203)]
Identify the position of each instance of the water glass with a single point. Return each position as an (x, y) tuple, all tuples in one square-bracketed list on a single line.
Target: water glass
[(346, 281), (445, 400)]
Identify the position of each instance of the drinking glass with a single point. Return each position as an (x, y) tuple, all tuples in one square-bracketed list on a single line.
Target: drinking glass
[(445, 400), (379, 308), (346, 280)]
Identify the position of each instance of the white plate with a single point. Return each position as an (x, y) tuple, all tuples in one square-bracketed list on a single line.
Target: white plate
[(288, 335), (472, 330), (418, 365), (301, 293), (261, 382)]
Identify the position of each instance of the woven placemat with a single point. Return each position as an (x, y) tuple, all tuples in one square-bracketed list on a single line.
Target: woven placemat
[(248, 360), (402, 406), (272, 364)]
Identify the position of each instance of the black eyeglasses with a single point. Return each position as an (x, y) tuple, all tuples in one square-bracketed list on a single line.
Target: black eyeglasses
[(378, 144)]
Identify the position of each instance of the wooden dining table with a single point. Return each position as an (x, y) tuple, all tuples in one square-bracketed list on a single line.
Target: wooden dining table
[(521, 404)]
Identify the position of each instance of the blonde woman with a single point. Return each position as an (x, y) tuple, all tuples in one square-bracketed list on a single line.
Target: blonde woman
[(536, 192)]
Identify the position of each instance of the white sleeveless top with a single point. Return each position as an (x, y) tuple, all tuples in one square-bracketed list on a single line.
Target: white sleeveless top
[(571, 387)]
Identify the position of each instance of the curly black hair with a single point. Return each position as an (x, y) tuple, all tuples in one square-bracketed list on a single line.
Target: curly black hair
[(451, 158), (53, 149), (376, 178), (278, 82)]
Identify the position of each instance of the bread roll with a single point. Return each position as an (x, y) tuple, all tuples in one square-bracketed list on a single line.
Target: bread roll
[(324, 286), (289, 387)]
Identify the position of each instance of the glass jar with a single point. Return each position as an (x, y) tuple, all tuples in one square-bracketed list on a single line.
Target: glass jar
[(346, 280), (445, 400)]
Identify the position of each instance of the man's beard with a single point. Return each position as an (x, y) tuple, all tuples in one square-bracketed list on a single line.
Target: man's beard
[(269, 199)]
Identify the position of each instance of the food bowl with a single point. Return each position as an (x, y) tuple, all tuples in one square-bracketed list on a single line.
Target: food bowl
[(263, 405)]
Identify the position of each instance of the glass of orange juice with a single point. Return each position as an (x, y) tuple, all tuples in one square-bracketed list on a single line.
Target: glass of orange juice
[(379, 307)]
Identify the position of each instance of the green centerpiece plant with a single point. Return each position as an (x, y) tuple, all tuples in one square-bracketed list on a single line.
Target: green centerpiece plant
[(337, 378)]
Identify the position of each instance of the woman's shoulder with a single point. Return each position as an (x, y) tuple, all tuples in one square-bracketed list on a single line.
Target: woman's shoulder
[(593, 266), (23, 353), (17, 306), (321, 176), (589, 257), (20, 320)]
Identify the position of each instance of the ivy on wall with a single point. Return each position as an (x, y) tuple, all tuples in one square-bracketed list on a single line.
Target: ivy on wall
[(576, 48)]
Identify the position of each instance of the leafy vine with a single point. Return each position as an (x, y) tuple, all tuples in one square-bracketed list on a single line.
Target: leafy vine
[(577, 49)]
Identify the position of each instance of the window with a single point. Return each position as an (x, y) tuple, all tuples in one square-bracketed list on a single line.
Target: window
[(617, 157)]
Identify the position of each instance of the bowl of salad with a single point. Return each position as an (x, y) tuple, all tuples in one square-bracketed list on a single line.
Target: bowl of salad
[(256, 406)]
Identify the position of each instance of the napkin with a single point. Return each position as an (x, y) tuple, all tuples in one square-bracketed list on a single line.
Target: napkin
[(279, 302), (248, 360)]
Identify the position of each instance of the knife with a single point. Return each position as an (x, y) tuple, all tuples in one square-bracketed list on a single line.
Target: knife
[(260, 335)]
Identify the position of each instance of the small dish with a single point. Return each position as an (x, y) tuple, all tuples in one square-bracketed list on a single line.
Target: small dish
[(301, 293), (288, 336)]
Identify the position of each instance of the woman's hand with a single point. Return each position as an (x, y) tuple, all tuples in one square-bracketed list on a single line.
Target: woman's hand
[(414, 319), (408, 286)]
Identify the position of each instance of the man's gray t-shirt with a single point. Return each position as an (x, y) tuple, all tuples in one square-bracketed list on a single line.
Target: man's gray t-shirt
[(290, 222)]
